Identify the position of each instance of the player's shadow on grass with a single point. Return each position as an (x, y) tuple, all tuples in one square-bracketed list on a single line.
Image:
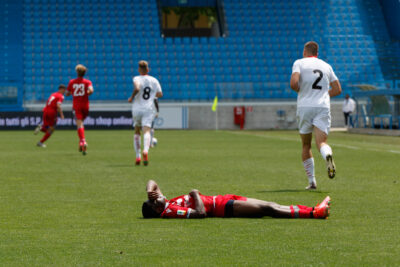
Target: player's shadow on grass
[(121, 165), (291, 191)]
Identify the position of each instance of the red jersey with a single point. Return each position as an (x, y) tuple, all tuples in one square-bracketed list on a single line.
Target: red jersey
[(51, 104), (78, 88), (182, 206)]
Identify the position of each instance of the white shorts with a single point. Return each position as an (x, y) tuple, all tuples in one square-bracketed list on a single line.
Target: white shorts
[(143, 117), (308, 117)]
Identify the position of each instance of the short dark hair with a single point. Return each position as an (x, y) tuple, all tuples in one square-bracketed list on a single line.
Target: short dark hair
[(148, 211), (62, 86), (311, 47)]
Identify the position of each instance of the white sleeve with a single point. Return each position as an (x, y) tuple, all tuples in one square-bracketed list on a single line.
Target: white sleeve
[(158, 86), (296, 67), (332, 76)]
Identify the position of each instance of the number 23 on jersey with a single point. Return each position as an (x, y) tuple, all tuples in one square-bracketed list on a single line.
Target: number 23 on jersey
[(79, 89)]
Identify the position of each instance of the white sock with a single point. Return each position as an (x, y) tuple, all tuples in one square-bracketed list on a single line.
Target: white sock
[(146, 142), (309, 168), (152, 135), (137, 144), (325, 151)]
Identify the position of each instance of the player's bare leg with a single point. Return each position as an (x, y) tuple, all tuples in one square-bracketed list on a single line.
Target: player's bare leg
[(308, 160), (259, 208), (48, 132), (326, 151), (137, 144), (146, 144), (81, 134)]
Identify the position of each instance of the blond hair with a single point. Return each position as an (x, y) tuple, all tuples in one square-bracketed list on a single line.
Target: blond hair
[(80, 70), (143, 65), (311, 47)]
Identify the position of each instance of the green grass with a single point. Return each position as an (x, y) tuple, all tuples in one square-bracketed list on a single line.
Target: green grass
[(60, 208)]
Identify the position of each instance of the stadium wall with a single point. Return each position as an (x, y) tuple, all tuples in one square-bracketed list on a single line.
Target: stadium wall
[(391, 11), (259, 116), (192, 116)]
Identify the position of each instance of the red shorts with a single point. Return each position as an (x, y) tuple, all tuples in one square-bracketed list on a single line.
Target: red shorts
[(81, 112), (49, 119), (220, 202)]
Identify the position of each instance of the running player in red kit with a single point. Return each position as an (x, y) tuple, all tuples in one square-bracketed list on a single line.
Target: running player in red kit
[(53, 105), (80, 89), (196, 205)]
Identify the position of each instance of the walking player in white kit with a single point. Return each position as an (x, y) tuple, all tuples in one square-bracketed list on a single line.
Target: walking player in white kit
[(146, 88), (312, 79)]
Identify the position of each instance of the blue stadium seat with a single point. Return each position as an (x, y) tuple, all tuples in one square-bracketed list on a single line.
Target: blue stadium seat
[(263, 40)]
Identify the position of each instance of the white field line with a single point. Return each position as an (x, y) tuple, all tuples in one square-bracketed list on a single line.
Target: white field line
[(298, 140)]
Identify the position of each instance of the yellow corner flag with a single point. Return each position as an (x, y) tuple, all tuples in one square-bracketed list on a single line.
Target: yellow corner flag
[(214, 106)]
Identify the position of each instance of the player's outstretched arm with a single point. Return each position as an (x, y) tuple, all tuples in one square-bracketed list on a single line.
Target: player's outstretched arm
[(69, 89), (199, 212), (156, 105), (59, 109), (153, 191), (336, 88), (294, 82), (135, 91)]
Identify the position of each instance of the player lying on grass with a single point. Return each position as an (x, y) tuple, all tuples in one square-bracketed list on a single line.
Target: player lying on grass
[(196, 205)]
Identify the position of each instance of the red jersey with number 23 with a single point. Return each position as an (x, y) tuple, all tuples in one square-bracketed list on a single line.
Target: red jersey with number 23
[(78, 88), (51, 104)]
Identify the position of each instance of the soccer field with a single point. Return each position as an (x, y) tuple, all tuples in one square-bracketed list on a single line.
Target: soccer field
[(60, 208)]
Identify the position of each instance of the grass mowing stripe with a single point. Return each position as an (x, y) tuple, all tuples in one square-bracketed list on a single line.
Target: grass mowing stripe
[(298, 140)]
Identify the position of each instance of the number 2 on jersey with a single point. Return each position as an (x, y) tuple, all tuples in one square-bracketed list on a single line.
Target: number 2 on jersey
[(146, 93), (79, 89), (315, 84)]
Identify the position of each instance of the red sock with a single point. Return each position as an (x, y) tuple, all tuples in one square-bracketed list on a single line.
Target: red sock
[(45, 137), (305, 207), (43, 129), (81, 134), (300, 211)]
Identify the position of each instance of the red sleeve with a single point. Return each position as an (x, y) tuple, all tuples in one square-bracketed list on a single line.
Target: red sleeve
[(60, 99), (175, 211), (88, 83)]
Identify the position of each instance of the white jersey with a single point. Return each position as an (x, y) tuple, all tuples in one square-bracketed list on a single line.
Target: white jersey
[(315, 78), (148, 87)]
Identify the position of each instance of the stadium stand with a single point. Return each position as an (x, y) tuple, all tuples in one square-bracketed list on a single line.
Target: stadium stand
[(11, 59), (252, 62)]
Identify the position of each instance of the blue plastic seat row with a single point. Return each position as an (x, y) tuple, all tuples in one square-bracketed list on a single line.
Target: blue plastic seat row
[(253, 61)]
